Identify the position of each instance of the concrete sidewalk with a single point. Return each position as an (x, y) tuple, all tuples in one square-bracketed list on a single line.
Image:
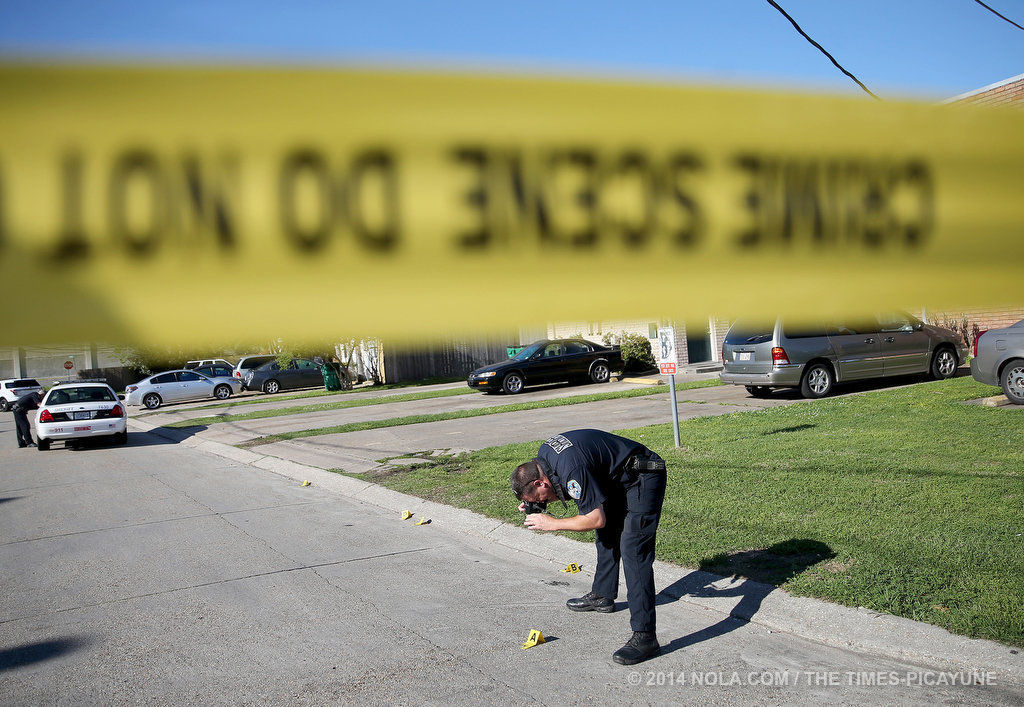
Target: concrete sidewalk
[(161, 573), (359, 452)]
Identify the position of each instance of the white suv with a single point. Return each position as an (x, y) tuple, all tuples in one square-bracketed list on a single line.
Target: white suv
[(13, 388)]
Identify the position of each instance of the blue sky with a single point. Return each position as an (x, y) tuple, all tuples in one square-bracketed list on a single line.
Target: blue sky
[(933, 48)]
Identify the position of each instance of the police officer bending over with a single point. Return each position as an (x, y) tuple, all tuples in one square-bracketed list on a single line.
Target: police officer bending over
[(23, 428), (619, 487)]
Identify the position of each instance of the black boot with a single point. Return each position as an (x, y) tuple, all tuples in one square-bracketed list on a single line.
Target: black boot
[(591, 602), (643, 645)]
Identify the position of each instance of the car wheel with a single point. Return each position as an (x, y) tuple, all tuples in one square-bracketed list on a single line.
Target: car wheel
[(222, 392), (817, 381), (4, 405), (152, 401), (944, 363), (759, 391), (600, 373), (271, 386), (42, 445), (1012, 381), (513, 383)]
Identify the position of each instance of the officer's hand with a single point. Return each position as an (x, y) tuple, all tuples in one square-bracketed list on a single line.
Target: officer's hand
[(539, 521)]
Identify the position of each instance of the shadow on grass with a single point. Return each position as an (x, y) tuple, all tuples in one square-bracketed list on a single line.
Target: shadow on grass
[(864, 386), (794, 428), (29, 653), (759, 573)]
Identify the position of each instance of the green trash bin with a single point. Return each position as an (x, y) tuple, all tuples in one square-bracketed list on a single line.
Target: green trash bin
[(331, 379)]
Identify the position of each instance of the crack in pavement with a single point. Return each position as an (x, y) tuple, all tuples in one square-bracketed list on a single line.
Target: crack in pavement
[(156, 522), (214, 583)]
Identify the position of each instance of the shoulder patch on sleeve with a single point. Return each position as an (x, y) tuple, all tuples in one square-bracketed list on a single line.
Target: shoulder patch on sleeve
[(559, 443), (573, 487)]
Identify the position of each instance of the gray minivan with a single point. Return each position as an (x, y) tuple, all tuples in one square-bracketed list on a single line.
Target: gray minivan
[(813, 358)]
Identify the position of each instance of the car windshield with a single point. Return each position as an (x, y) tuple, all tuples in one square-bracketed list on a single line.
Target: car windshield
[(528, 352), (750, 332), (25, 383), (66, 396)]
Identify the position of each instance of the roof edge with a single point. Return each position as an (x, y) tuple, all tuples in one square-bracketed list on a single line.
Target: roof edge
[(991, 86)]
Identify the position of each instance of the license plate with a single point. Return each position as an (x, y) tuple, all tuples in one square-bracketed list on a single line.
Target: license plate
[(742, 355), (82, 415)]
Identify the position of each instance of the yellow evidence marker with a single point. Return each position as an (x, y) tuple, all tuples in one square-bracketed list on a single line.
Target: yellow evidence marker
[(536, 638), (422, 521), (305, 483), (573, 568), (406, 515)]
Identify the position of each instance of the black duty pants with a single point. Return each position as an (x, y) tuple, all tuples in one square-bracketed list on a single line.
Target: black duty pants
[(24, 429), (631, 522)]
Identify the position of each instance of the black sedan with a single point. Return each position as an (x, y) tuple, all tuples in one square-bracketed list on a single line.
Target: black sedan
[(549, 361)]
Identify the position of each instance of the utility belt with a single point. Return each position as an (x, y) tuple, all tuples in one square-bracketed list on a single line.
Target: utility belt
[(644, 464)]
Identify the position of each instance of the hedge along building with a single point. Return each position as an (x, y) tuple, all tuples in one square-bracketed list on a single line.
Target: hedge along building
[(701, 341)]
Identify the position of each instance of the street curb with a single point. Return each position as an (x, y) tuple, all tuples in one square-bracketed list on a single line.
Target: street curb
[(860, 629)]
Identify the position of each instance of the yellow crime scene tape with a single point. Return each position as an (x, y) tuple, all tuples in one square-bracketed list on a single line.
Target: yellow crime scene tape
[(188, 205)]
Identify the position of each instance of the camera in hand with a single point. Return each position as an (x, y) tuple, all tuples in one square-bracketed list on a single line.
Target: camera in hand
[(534, 506)]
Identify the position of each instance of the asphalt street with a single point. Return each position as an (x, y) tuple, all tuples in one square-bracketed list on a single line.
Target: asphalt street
[(158, 573)]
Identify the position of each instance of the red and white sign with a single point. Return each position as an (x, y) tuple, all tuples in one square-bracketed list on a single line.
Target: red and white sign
[(665, 352), (68, 365)]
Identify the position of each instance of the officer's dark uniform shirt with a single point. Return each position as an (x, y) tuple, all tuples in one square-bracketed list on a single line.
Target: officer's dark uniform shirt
[(29, 401), (589, 464)]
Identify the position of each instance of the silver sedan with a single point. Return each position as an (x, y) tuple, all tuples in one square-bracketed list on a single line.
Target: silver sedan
[(176, 386), (999, 360)]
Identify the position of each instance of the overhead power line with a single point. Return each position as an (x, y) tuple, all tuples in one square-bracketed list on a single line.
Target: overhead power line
[(822, 49), (998, 14)]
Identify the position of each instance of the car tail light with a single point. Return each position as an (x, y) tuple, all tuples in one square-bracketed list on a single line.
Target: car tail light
[(131, 388), (45, 416), (980, 334), (117, 411), (779, 357)]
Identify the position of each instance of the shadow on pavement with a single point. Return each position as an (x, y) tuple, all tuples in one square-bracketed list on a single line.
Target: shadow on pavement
[(5, 499), (29, 653), (762, 571)]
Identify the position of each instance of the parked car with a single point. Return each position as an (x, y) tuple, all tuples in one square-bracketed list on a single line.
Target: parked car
[(76, 411), (216, 370), (999, 360), (13, 388), (192, 365), (248, 363), (763, 356), (272, 377), (176, 386), (548, 361)]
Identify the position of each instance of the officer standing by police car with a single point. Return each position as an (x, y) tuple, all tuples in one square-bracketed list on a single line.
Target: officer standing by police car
[(23, 428), (619, 487)]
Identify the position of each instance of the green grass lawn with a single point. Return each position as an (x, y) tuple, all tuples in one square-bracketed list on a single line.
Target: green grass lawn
[(459, 414), (317, 407), (311, 393), (904, 501)]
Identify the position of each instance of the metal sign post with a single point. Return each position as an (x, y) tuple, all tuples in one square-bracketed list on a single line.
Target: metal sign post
[(668, 362)]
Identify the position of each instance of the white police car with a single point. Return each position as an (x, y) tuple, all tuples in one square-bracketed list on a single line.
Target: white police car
[(76, 411)]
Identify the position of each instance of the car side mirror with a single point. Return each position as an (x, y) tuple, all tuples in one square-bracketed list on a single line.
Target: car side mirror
[(120, 396)]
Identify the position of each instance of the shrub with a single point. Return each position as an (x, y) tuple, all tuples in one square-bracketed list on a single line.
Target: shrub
[(636, 350)]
